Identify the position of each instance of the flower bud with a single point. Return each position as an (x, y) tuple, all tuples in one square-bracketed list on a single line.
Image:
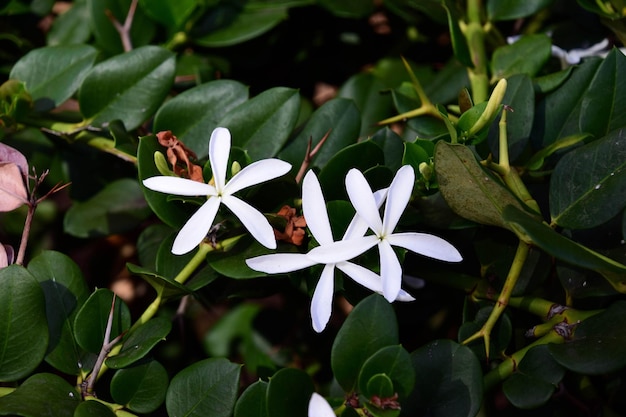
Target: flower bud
[(162, 165), (492, 108)]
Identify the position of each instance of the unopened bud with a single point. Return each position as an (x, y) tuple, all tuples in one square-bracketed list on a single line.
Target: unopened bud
[(492, 108), (426, 170), (235, 168), (162, 165)]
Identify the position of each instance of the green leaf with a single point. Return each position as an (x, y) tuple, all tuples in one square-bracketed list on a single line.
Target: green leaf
[(459, 41), (41, 395), (365, 90), (414, 155), (140, 342), (597, 346), (118, 208), (93, 409), (262, 124), (363, 155), (165, 287), (193, 114), (603, 107), (514, 9), (450, 381), (54, 73), (206, 388), (588, 186), (289, 392), (351, 9), (170, 13), (234, 324), (249, 23), (526, 56), (253, 401), (339, 116), (91, 320), (148, 244), (65, 291), (392, 361), (537, 160), (370, 327), (129, 87), (70, 28), (392, 146), (534, 380), (469, 190), (380, 385), (24, 330), (567, 250), (547, 83), (140, 388)]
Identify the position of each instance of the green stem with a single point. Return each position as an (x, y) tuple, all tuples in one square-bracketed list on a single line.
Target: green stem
[(475, 35)]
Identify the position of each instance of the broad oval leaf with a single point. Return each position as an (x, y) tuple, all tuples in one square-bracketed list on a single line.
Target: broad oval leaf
[(288, 393), (253, 401), (65, 291), (170, 13), (140, 388), (139, 342), (93, 409), (129, 87), (164, 287), (526, 56), (24, 330), (69, 27), (206, 388), (395, 363), (41, 395), (91, 321), (514, 9), (370, 326), (588, 186), (194, 114), (262, 124), (54, 73)]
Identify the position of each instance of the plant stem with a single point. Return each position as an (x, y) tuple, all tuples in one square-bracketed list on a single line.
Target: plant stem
[(32, 206), (475, 35)]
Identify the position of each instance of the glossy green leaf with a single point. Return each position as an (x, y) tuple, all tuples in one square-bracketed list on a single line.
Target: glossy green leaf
[(367, 92), (603, 107), (118, 208), (206, 388), (363, 155), (170, 13), (91, 320), (534, 380), (262, 124), (588, 186), (547, 83), (565, 249), (54, 73), (170, 265), (248, 24), (193, 114), (235, 324), (339, 116), (514, 9), (558, 115), (352, 9), (41, 395), (393, 361), (65, 290), (129, 87), (414, 155), (148, 244), (24, 331), (165, 287), (140, 342), (233, 263), (526, 56), (459, 41), (370, 327), (392, 146), (597, 346), (380, 385), (469, 190), (253, 401), (69, 27), (93, 409), (449, 382), (107, 37), (288, 393), (141, 388), (538, 159)]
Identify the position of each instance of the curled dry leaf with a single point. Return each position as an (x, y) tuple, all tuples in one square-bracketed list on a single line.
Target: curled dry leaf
[(178, 156), (13, 193), (294, 230), (9, 154)]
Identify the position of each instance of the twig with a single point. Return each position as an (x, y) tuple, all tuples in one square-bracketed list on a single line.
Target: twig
[(124, 30), (308, 156)]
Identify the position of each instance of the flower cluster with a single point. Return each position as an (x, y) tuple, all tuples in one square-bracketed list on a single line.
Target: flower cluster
[(330, 253)]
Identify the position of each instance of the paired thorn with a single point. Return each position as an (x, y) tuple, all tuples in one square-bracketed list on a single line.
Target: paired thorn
[(308, 156)]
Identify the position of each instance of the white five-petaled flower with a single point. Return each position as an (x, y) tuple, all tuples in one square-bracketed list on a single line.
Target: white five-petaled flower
[(319, 407), (364, 202), (197, 227), (314, 208)]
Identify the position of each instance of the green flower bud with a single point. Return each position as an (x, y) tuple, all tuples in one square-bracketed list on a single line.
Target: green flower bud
[(162, 165), (235, 168), (492, 108)]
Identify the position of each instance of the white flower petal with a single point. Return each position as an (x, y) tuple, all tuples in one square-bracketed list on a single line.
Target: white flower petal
[(362, 276), (404, 296), (253, 220), (322, 302), (314, 208), (280, 263), (196, 228), (427, 245), (390, 271), (342, 250), (362, 199), (219, 149), (357, 226), (319, 407), (398, 197), (178, 186), (256, 173)]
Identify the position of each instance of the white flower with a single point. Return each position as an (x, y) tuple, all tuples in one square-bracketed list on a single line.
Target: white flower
[(319, 407), (197, 227), (314, 208), (364, 202)]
